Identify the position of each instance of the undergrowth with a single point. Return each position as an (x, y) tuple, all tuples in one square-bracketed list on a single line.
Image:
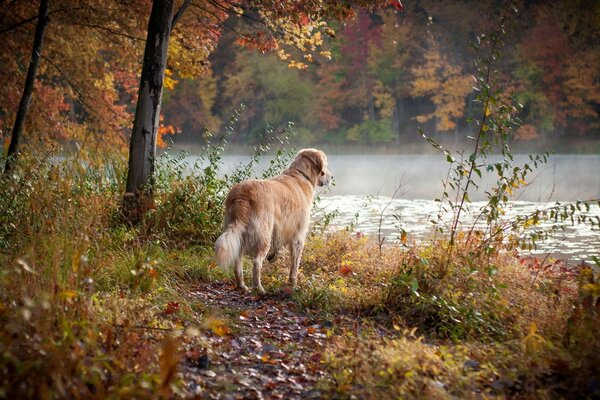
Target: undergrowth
[(91, 307)]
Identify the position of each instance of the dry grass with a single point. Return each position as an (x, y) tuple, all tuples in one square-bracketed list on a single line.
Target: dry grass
[(470, 325)]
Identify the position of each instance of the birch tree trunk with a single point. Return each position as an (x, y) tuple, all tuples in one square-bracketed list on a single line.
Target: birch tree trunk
[(24, 103)]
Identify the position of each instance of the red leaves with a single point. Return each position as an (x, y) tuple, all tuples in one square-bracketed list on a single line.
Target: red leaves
[(397, 4), (316, 357), (260, 41), (304, 20), (345, 270), (172, 307)]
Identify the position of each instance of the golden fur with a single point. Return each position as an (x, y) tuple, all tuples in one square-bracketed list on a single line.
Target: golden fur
[(261, 215)]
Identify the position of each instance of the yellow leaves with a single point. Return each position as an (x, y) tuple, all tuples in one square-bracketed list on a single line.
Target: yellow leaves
[(487, 111), (283, 55), (532, 343), (67, 294), (218, 326), (591, 289), (297, 65), (446, 85), (106, 82), (326, 54), (384, 99), (169, 83)]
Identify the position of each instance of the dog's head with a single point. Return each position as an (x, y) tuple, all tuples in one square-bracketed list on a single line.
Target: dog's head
[(313, 164)]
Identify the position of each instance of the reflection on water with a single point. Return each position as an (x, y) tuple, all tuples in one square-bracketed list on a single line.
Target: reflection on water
[(575, 243), (563, 178)]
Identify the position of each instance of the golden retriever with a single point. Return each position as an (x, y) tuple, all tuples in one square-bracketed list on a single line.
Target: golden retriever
[(261, 215)]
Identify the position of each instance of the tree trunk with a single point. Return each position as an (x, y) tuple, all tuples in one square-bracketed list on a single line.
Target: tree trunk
[(13, 148), (142, 148), (398, 117)]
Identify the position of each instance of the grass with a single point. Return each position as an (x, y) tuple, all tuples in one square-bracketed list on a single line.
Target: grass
[(90, 307), (470, 326)]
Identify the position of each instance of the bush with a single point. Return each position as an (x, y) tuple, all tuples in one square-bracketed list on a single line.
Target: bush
[(379, 131)]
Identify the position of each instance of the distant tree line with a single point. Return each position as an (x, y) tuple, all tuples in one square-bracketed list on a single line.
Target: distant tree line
[(390, 73)]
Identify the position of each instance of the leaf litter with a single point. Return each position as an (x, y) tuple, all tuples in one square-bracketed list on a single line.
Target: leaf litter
[(264, 349)]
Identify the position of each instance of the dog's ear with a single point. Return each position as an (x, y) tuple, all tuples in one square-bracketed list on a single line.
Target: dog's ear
[(316, 159)]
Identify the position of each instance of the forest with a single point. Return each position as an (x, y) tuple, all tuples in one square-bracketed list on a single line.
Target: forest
[(384, 75), (109, 286)]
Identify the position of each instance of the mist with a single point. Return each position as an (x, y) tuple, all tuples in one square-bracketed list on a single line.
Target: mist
[(562, 178)]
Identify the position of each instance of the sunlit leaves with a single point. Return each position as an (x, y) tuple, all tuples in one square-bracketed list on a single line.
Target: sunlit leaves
[(445, 84)]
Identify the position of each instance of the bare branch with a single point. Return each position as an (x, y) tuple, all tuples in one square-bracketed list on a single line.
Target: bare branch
[(35, 17), (179, 13)]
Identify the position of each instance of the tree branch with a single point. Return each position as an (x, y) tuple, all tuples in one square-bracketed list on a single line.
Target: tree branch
[(109, 30), (179, 13), (35, 17)]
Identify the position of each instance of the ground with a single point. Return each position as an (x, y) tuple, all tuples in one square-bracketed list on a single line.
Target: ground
[(268, 349)]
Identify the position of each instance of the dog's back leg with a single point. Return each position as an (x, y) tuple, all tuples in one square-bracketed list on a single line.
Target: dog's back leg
[(274, 252), (261, 254), (239, 275), (296, 248), (257, 264)]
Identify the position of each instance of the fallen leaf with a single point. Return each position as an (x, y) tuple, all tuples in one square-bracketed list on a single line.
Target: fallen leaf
[(168, 364), (219, 327), (172, 307)]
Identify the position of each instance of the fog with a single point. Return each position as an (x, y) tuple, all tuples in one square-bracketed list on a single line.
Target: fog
[(563, 178)]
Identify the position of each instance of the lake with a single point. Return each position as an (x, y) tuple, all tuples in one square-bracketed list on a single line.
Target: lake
[(365, 184)]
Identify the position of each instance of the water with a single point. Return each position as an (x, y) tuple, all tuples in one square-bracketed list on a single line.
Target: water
[(384, 217), (365, 184)]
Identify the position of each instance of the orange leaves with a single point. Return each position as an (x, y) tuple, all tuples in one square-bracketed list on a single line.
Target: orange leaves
[(260, 41), (162, 131), (345, 270), (168, 360), (527, 132)]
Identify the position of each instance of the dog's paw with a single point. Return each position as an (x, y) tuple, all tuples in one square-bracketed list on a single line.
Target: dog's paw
[(243, 289), (261, 290)]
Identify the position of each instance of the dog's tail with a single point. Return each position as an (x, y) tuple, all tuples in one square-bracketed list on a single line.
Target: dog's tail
[(228, 246)]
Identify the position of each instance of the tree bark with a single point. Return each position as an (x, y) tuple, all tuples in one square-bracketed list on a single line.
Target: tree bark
[(142, 148), (398, 117), (25, 102)]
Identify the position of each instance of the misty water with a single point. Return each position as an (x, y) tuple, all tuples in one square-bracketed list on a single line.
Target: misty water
[(378, 194)]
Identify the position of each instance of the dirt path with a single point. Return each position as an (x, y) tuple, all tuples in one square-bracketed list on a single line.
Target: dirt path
[(265, 350)]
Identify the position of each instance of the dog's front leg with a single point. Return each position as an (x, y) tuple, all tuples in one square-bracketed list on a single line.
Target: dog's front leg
[(296, 252)]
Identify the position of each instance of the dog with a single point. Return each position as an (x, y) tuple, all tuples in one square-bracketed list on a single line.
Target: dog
[(262, 215)]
